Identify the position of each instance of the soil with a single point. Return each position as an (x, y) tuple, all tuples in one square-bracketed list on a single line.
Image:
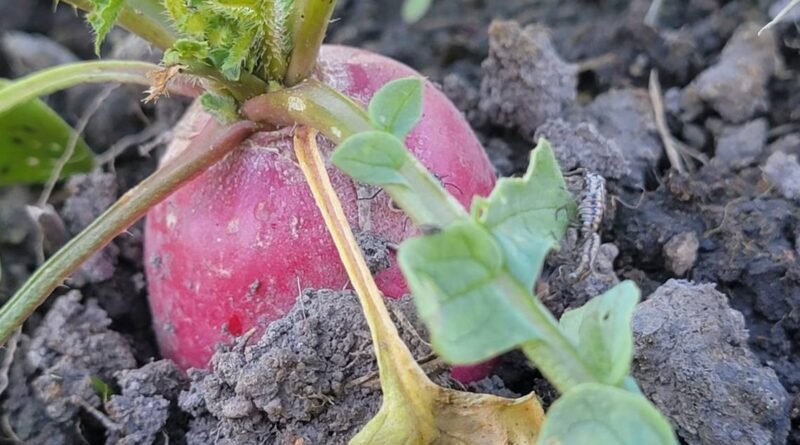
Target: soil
[(718, 352)]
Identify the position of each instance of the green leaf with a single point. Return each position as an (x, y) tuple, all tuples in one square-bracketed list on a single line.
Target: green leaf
[(102, 18), (187, 50), (32, 140), (102, 388), (603, 415), (220, 106), (413, 10), (473, 309), (378, 158), (397, 106), (373, 157), (529, 215), (602, 330)]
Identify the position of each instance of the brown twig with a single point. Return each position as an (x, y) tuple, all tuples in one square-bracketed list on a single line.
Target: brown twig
[(97, 414), (661, 122)]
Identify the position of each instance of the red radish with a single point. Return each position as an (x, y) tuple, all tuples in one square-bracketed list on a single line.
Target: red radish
[(232, 249)]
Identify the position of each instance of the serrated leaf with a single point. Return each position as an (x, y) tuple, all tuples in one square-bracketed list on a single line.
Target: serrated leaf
[(220, 106), (102, 18), (185, 50), (397, 106), (413, 10), (529, 215), (602, 330), (373, 157), (597, 414), (472, 307), (32, 140)]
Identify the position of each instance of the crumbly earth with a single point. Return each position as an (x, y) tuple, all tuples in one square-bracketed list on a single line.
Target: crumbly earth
[(730, 96), (298, 382), (525, 81), (54, 378), (692, 360), (310, 378)]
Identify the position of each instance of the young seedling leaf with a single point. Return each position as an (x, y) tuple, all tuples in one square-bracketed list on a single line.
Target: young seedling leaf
[(102, 388), (604, 415), (602, 330), (528, 215), (32, 140), (379, 158), (397, 106), (373, 157), (472, 307), (413, 10), (221, 107), (102, 18)]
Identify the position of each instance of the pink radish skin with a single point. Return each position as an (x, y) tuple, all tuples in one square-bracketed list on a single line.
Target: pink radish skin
[(232, 249)]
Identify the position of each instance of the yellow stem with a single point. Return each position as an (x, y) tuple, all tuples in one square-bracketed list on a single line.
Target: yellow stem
[(395, 361)]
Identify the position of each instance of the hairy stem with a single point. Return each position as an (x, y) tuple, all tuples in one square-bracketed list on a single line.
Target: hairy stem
[(310, 22), (145, 18), (42, 83), (311, 103), (246, 87), (207, 148)]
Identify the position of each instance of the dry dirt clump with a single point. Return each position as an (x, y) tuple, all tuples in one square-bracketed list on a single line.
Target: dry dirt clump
[(54, 378), (309, 379), (693, 362), (525, 80), (736, 86)]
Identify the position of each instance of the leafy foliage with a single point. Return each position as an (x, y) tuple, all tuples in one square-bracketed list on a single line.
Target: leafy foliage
[(528, 215), (396, 107), (472, 279), (102, 388), (102, 18), (222, 107), (232, 35), (601, 329), (600, 414), (28, 151)]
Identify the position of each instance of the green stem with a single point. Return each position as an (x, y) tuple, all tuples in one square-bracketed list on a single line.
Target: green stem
[(310, 23), (311, 103), (207, 148), (42, 83), (247, 87), (145, 18)]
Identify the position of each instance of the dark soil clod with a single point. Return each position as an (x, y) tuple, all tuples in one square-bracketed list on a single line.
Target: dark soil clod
[(525, 81), (692, 360), (736, 86), (295, 382)]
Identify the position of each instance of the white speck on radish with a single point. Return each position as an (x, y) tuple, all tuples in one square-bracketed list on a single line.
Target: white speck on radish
[(233, 225), (171, 219), (296, 104)]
